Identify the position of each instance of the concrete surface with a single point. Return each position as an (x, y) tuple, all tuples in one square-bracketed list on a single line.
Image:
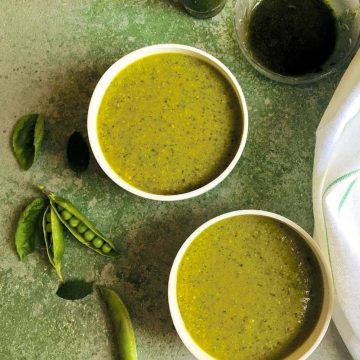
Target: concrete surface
[(52, 53)]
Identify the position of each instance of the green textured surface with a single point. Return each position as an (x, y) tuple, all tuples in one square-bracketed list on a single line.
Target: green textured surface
[(52, 55)]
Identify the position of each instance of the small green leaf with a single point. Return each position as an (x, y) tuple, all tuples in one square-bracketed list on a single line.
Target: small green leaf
[(75, 289), (27, 236), (77, 153), (27, 138)]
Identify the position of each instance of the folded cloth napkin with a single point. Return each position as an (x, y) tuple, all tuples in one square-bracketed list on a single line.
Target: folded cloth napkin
[(336, 201)]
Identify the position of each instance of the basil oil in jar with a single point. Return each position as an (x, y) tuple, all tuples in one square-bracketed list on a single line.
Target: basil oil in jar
[(297, 41), (292, 37)]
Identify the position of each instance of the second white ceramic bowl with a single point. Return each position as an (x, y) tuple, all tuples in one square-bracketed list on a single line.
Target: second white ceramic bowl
[(127, 60), (310, 344)]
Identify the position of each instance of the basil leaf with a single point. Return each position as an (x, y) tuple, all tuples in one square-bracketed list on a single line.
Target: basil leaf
[(27, 237), (75, 289), (27, 138), (77, 153)]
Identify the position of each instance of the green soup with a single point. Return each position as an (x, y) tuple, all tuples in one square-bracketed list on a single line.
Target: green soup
[(169, 123), (248, 287)]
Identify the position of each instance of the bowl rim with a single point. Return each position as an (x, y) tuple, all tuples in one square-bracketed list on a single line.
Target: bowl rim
[(130, 58), (287, 79), (314, 338)]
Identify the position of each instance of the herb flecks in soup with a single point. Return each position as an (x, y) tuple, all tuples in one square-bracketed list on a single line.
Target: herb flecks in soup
[(248, 287), (169, 123)]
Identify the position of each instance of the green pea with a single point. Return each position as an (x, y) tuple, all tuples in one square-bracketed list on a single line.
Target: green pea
[(105, 248), (66, 215), (60, 208), (48, 228), (89, 235), (48, 217), (97, 242), (74, 222), (81, 228)]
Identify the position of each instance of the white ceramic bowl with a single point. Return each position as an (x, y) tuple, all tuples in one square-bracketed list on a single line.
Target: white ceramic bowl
[(125, 61), (318, 332)]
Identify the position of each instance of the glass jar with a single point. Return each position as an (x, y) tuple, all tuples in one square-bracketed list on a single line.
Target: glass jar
[(347, 14), (203, 8)]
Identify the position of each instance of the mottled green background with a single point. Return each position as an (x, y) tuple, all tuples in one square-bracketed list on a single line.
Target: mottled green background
[(52, 53)]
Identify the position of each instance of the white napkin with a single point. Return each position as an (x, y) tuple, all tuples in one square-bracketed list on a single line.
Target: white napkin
[(336, 201)]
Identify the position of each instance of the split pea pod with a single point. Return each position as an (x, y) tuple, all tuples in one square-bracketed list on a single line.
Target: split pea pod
[(79, 226), (54, 239), (124, 332)]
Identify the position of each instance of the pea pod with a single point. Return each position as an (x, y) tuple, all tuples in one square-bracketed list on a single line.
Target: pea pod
[(28, 233), (79, 226), (124, 332), (54, 239)]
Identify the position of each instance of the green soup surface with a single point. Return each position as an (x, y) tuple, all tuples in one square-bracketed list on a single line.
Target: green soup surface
[(169, 123), (248, 287)]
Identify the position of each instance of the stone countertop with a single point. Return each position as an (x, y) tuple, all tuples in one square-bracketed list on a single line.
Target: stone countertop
[(52, 54)]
